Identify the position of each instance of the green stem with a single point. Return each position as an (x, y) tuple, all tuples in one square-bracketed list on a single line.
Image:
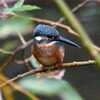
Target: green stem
[(85, 40)]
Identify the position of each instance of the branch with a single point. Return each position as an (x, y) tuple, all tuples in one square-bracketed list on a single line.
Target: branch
[(46, 69), (32, 59), (74, 10), (5, 52), (80, 5), (12, 56), (17, 87), (85, 40)]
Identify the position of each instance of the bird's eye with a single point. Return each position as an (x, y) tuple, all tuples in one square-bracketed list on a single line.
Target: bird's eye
[(51, 37)]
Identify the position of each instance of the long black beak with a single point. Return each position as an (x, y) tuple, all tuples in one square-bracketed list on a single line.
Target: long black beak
[(67, 41)]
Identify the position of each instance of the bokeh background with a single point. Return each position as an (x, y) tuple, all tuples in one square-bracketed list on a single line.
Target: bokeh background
[(85, 79)]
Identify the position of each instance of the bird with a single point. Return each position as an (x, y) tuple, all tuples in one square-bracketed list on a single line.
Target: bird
[(48, 48)]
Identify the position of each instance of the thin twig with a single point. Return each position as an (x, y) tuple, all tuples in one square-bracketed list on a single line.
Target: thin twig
[(12, 56), (5, 52), (26, 60), (80, 5), (75, 9), (46, 69), (21, 38), (53, 23), (24, 43)]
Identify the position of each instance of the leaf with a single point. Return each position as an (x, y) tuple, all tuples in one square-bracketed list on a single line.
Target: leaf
[(25, 8), (15, 24), (19, 4), (42, 85), (49, 87), (19, 7)]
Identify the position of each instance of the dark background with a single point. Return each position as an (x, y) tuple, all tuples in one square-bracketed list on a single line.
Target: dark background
[(86, 79)]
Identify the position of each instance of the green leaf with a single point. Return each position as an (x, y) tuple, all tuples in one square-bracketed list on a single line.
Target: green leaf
[(49, 87), (19, 7), (22, 8), (19, 4), (25, 8), (15, 24), (42, 85)]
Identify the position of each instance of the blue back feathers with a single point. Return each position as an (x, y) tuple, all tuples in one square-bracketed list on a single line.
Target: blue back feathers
[(45, 30)]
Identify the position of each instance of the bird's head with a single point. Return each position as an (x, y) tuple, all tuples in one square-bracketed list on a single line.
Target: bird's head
[(48, 33)]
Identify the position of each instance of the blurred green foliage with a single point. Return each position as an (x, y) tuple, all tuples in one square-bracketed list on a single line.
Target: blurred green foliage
[(20, 6), (49, 87), (14, 24)]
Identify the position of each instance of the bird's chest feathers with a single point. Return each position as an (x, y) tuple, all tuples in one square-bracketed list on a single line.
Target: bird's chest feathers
[(45, 49), (48, 53)]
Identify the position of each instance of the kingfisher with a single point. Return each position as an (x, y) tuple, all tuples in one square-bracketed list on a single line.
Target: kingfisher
[(48, 49)]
